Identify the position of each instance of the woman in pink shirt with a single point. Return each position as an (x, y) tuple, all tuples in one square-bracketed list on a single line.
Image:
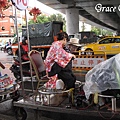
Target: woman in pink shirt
[(58, 62)]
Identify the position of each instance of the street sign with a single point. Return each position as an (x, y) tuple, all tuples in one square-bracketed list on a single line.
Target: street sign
[(20, 4), (86, 62)]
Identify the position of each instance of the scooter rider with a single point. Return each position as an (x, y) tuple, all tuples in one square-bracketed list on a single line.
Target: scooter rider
[(24, 49), (24, 58)]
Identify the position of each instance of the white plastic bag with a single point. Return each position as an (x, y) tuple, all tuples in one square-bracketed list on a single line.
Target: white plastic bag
[(105, 75)]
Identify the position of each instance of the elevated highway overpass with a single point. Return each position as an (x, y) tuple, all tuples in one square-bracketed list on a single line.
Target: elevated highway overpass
[(101, 13)]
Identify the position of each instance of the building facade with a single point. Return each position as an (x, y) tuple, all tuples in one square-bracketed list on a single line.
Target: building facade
[(7, 24)]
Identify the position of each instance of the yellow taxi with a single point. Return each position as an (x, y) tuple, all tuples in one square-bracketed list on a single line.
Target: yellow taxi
[(110, 45)]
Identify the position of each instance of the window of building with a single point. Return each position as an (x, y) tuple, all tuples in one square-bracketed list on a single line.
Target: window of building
[(12, 29), (11, 20), (10, 9)]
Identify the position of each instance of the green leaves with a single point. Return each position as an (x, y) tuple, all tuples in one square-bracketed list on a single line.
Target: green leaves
[(55, 17)]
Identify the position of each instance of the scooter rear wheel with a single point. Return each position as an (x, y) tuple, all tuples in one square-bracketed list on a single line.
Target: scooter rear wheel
[(20, 113)]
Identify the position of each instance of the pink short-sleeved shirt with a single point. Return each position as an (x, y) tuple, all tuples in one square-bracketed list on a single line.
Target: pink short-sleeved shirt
[(57, 54)]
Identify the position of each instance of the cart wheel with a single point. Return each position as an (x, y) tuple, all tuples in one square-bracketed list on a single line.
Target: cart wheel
[(98, 107), (15, 95), (20, 113)]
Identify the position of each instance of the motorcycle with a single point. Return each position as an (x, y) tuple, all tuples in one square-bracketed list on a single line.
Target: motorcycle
[(15, 69)]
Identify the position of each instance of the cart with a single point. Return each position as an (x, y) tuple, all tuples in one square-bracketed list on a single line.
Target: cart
[(57, 104)]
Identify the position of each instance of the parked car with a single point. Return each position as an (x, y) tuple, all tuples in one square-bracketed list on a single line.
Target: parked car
[(110, 45)]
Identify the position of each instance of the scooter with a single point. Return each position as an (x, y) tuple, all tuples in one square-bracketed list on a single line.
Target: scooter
[(15, 69)]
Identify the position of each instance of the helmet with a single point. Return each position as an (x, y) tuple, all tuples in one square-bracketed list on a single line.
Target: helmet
[(24, 40)]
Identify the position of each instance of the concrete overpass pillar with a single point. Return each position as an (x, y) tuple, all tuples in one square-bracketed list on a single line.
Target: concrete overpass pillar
[(72, 20)]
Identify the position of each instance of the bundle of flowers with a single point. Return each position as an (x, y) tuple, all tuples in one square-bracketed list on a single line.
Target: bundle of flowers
[(35, 12), (4, 4)]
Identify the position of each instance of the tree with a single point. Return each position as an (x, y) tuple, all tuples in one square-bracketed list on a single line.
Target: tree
[(55, 17), (96, 30), (58, 17), (83, 26), (52, 17), (100, 31), (40, 19)]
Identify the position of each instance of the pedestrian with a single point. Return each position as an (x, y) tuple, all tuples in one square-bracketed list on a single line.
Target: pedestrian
[(74, 46), (58, 62)]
